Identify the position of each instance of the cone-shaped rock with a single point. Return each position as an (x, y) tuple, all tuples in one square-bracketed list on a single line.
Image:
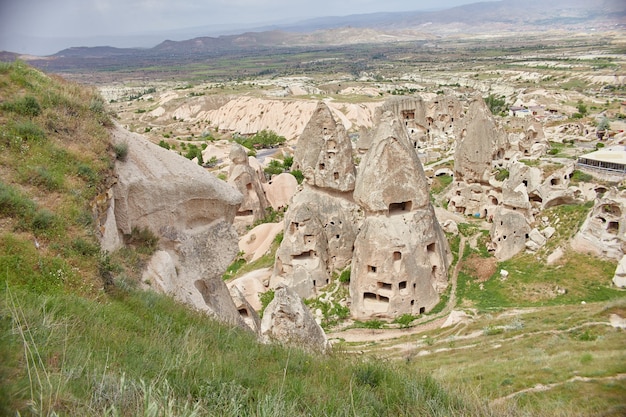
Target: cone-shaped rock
[(391, 177), (401, 255), (324, 152), (481, 142)]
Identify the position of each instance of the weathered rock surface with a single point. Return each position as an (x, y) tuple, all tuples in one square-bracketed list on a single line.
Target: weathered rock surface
[(324, 152), (320, 229), (391, 176), (322, 220), (509, 232), (604, 229), (280, 189), (245, 309), (619, 279), (289, 321), (258, 241), (400, 256), (190, 211), (245, 179), (480, 143)]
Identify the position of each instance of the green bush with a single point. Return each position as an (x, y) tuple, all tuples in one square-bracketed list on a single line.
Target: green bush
[(344, 277), (502, 174), (298, 174), (121, 151), (143, 239), (27, 131), (404, 320), (24, 106)]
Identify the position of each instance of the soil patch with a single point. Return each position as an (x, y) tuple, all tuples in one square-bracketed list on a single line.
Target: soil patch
[(480, 268)]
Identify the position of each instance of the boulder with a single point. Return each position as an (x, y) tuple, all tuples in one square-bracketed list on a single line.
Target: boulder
[(287, 320), (251, 286), (246, 311), (189, 210), (450, 226)]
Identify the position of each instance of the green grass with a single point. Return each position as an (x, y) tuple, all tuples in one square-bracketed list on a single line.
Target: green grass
[(139, 351)]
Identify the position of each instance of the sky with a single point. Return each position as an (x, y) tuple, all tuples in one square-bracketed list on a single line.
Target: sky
[(44, 27)]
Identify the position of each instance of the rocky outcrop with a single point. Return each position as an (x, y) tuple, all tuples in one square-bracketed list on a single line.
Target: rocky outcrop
[(280, 189), (287, 320), (400, 256), (322, 220), (245, 179), (480, 143), (509, 232), (189, 210), (319, 234), (604, 229), (324, 153)]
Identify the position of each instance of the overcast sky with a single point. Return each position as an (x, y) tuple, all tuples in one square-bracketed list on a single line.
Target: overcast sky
[(46, 26)]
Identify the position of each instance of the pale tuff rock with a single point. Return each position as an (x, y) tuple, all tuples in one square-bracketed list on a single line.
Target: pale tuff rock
[(319, 234), (531, 143), (324, 152), (604, 230), (246, 180), (391, 176), (619, 279), (509, 232), (473, 199), (400, 256), (481, 141), (289, 321), (190, 211), (246, 311), (322, 220), (399, 265), (280, 189), (251, 286), (258, 241), (427, 124)]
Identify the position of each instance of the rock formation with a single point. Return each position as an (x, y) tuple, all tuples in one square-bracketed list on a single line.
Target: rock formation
[(509, 232), (280, 189), (189, 210), (322, 220), (245, 179), (604, 230), (324, 153), (400, 256), (481, 142), (289, 321)]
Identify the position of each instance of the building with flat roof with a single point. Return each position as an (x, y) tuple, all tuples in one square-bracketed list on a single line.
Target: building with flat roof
[(611, 159)]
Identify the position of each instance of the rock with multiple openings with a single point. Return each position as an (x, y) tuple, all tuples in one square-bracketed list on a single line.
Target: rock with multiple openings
[(401, 255), (604, 229), (324, 153), (246, 180), (481, 142), (189, 210), (322, 220)]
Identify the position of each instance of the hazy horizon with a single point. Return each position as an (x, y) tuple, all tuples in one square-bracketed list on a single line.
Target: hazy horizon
[(44, 28)]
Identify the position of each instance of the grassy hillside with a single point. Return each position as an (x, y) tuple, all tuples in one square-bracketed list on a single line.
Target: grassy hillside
[(68, 347)]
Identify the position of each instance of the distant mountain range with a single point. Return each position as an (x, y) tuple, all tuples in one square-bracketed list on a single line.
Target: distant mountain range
[(507, 16)]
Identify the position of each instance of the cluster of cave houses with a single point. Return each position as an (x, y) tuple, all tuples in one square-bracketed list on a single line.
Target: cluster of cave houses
[(377, 218)]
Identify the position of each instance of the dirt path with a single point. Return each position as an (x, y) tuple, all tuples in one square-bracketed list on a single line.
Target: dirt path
[(421, 325)]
